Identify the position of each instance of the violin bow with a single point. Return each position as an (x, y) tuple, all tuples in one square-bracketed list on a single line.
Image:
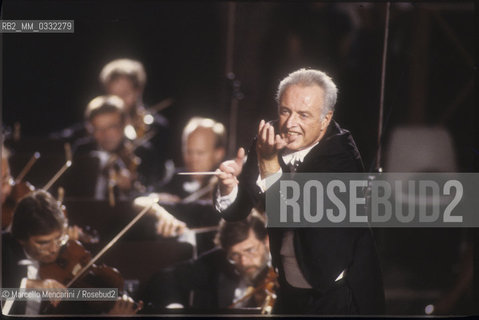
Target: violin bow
[(163, 104), (201, 192), (111, 243), (68, 163), (27, 167)]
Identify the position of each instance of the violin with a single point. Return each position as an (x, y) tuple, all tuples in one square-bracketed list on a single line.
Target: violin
[(121, 168), (140, 124), (74, 267), (129, 158), (69, 269), (143, 118), (269, 285), (264, 291)]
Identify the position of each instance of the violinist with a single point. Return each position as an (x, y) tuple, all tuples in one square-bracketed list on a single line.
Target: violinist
[(203, 148), (107, 158), (38, 232), (189, 197), (219, 277), (126, 78)]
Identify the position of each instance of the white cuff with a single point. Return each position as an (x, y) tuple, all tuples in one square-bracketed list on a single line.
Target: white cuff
[(23, 283), (223, 202), (188, 236), (264, 184), (7, 305)]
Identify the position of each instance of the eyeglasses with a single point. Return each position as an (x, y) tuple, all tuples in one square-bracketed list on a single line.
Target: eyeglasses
[(45, 245), (251, 252)]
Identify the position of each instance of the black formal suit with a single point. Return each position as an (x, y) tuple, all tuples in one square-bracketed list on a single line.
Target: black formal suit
[(211, 277), (196, 214), (159, 127), (12, 272), (322, 253), (82, 177)]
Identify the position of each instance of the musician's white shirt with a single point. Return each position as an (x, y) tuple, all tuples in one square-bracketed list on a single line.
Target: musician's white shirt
[(33, 304)]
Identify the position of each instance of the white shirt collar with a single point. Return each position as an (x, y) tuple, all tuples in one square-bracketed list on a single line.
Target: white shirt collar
[(191, 186), (297, 155)]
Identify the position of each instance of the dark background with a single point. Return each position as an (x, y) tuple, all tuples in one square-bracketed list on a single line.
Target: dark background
[(47, 80)]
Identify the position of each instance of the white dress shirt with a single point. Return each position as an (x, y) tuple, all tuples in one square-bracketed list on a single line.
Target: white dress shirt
[(293, 273)]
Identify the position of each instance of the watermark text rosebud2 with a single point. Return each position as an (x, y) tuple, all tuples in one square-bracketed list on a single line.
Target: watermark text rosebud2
[(375, 200)]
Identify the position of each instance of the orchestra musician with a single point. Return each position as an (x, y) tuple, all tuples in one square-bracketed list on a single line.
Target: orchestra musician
[(107, 158), (12, 192), (220, 276), (189, 197), (203, 147), (37, 235), (321, 270), (126, 78)]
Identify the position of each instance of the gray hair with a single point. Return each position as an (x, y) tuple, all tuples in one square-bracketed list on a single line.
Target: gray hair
[(132, 69), (308, 77), (216, 127), (105, 104)]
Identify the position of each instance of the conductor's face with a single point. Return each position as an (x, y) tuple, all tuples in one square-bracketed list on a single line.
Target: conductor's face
[(300, 110)]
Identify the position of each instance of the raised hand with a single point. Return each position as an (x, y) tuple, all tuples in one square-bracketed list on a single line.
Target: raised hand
[(229, 171), (268, 146)]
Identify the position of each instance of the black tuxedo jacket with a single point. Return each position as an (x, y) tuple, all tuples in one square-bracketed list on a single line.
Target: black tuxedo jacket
[(322, 253), (211, 278), (82, 177)]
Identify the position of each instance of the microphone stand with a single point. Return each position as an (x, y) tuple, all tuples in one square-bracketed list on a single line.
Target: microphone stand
[(235, 84)]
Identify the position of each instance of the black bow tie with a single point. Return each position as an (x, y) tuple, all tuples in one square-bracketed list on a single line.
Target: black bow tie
[(293, 165)]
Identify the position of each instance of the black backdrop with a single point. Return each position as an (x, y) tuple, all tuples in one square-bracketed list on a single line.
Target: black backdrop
[(49, 78)]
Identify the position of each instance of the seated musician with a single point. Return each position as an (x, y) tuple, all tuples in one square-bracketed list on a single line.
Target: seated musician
[(37, 235), (107, 158), (126, 78), (189, 197), (220, 277), (203, 147)]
